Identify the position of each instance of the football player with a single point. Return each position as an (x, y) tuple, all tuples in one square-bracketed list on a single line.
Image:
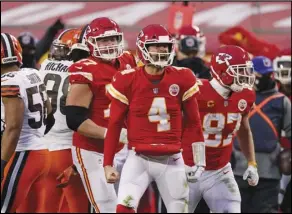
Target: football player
[(224, 104), (152, 98), (195, 32), (54, 72), (28, 116), (87, 107), (282, 68)]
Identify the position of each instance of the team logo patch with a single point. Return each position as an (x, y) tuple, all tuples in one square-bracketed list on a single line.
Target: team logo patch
[(210, 103), (128, 66), (222, 58), (174, 90), (242, 104), (267, 62), (190, 42)]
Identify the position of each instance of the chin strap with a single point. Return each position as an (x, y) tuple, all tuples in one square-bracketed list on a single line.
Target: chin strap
[(236, 88), (199, 154)]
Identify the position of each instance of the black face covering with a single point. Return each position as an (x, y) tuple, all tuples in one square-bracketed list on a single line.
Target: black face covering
[(28, 61), (197, 65), (264, 83)]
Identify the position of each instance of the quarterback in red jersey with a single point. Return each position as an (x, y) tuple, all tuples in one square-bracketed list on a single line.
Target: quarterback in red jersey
[(87, 107), (224, 104), (159, 104)]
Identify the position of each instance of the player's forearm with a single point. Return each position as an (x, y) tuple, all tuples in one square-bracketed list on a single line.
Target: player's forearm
[(111, 143), (118, 112), (246, 143), (192, 120), (89, 129), (192, 134), (9, 142)]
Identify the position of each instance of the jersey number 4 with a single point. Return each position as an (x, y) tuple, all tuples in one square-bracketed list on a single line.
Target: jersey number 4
[(158, 114)]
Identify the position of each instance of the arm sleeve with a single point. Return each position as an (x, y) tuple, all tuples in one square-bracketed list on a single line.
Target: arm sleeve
[(287, 118), (192, 131), (191, 87), (118, 112), (10, 88), (45, 42), (80, 74), (119, 87)]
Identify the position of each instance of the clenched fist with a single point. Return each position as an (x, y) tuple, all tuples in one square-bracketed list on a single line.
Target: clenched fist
[(111, 174)]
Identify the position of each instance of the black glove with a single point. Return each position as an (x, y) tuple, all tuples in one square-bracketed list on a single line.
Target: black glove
[(58, 25)]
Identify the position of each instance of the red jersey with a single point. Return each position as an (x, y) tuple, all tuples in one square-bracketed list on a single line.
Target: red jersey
[(221, 118), (98, 75), (154, 110)]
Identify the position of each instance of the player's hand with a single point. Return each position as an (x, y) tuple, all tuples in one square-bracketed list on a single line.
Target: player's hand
[(65, 177), (193, 173), (252, 176), (111, 174), (124, 136)]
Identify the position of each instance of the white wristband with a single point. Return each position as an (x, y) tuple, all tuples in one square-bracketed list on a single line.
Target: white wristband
[(199, 153), (105, 133)]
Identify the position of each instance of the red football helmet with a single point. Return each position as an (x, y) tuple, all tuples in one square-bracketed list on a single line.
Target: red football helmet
[(101, 28), (232, 67), (11, 50), (197, 33), (152, 35)]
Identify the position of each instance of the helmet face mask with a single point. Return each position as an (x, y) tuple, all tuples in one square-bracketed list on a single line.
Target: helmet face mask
[(59, 51), (155, 46), (101, 47), (232, 67), (152, 54), (61, 47), (282, 68), (104, 39), (243, 76)]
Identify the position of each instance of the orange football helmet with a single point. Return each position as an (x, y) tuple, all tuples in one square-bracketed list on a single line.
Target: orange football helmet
[(61, 46), (11, 50)]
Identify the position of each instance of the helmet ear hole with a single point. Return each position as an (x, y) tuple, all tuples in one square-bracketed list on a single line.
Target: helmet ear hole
[(147, 46)]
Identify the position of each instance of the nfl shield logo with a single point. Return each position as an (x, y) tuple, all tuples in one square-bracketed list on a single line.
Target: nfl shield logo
[(155, 90), (225, 103)]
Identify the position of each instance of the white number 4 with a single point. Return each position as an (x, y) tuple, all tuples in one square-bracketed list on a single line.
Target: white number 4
[(158, 114)]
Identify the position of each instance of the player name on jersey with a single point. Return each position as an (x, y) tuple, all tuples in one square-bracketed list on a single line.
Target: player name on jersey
[(33, 78), (52, 66)]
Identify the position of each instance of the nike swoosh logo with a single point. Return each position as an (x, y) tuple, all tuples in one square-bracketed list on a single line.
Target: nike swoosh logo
[(225, 172), (78, 67)]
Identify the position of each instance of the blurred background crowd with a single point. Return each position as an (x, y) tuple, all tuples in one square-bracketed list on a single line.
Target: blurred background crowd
[(261, 28)]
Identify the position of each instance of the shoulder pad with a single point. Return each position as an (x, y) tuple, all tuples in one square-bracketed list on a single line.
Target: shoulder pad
[(84, 63), (8, 76)]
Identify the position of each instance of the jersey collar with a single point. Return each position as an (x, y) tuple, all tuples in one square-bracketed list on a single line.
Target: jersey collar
[(224, 92)]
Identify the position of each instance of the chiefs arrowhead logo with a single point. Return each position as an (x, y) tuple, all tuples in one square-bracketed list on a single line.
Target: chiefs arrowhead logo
[(221, 57)]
